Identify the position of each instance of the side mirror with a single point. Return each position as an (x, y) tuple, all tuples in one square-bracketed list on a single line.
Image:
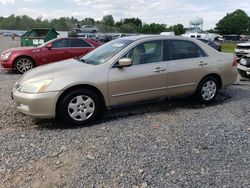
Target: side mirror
[(49, 46), (124, 62)]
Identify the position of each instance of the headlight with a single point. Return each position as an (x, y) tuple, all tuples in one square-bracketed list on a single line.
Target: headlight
[(35, 87), (5, 56), (244, 61)]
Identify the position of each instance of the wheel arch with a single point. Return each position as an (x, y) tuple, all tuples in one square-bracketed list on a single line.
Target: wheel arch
[(81, 86), (216, 76), (27, 56)]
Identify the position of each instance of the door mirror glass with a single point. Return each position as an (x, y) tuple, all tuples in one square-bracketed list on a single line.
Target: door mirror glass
[(124, 62)]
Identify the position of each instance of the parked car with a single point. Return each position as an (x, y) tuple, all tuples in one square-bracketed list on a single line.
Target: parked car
[(213, 44), (244, 66), (242, 52), (7, 34), (124, 70), (87, 29), (242, 49), (25, 58)]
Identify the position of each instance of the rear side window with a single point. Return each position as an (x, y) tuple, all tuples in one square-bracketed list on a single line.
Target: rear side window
[(78, 43), (181, 49), (63, 43)]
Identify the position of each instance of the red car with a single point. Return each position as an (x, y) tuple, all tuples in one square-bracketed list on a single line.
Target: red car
[(25, 58)]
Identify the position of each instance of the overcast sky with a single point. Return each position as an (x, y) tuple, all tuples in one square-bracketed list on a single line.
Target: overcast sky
[(169, 12)]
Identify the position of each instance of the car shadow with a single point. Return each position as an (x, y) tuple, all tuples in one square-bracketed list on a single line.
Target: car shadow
[(231, 94), (8, 72)]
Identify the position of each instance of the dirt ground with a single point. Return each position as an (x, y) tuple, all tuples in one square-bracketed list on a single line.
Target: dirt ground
[(7, 42)]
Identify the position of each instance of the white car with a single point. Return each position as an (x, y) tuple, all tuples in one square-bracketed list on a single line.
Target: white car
[(242, 52), (242, 49), (88, 29)]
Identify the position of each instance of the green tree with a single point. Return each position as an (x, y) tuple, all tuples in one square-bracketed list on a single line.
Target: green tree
[(177, 29), (136, 21), (237, 22), (128, 28), (87, 21), (108, 20), (119, 23), (153, 28)]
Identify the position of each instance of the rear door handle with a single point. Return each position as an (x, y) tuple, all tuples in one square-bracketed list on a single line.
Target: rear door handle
[(159, 69), (202, 63)]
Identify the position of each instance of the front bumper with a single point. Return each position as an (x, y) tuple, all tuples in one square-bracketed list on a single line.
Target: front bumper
[(6, 64), (41, 105), (243, 68)]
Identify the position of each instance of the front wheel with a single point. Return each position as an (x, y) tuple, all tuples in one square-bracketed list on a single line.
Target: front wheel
[(79, 107), (23, 64), (207, 89)]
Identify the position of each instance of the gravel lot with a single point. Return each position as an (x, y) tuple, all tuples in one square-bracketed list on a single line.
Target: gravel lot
[(170, 143)]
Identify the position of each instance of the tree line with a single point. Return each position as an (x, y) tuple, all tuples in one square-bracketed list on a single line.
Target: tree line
[(107, 24), (237, 22)]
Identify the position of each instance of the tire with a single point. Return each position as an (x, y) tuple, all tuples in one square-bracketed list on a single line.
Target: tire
[(94, 31), (243, 74), (207, 89), (79, 107), (23, 64)]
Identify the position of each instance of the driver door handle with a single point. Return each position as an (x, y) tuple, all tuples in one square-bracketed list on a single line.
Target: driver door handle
[(159, 69), (202, 63)]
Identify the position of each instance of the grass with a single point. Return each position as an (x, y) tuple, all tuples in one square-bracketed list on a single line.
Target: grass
[(228, 47)]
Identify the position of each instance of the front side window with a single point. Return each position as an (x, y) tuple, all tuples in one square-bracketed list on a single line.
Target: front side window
[(181, 49), (64, 43), (77, 43), (147, 52)]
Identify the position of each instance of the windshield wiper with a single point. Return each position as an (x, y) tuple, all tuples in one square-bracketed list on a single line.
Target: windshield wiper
[(77, 58), (81, 60)]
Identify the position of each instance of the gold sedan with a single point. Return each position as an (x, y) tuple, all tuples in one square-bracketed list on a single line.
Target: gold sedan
[(122, 71)]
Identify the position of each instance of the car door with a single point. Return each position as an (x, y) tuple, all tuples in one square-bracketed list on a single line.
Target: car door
[(145, 79), (58, 51), (187, 65), (79, 47)]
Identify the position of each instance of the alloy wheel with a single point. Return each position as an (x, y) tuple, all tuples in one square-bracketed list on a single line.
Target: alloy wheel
[(24, 65)]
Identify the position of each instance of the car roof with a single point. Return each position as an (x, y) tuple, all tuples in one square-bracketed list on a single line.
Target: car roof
[(141, 37)]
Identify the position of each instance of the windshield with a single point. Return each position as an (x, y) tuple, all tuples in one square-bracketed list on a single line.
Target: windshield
[(105, 52)]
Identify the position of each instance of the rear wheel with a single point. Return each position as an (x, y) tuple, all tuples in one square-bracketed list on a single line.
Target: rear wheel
[(79, 107), (23, 64), (207, 89)]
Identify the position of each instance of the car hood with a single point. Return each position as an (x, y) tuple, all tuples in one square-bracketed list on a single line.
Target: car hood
[(20, 49), (244, 44), (54, 70)]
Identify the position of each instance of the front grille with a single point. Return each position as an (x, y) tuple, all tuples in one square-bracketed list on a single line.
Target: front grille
[(240, 54), (243, 47)]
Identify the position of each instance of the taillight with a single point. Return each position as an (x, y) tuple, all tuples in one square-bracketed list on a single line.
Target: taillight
[(234, 62)]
